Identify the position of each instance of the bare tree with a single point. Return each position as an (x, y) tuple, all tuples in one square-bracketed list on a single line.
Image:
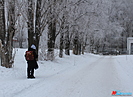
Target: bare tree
[(61, 38), (2, 26), (2, 20), (51, 31), (38, 23), (7, 36), (30, 23)]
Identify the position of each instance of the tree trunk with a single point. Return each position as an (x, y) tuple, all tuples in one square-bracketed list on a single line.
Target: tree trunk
[(38, 24), (67, 42), (61, 37), (2, 32), (2, 21), (51, 32), (83, 49), (51, 40), (7, 48), (61, 45), (76, 45), (79, 48), (30, 23)]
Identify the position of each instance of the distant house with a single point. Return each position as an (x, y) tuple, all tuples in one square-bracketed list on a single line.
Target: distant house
[(130, 45)]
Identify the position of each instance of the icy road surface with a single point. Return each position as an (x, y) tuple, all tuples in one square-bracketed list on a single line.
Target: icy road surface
[(76, 76)]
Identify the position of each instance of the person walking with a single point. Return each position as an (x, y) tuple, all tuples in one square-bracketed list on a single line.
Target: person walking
[(31, 57)]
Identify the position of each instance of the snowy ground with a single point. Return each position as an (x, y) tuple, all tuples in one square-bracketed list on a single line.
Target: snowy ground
[(72, 76)]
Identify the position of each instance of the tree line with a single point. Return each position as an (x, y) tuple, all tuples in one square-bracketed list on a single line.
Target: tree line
[(76, 25)]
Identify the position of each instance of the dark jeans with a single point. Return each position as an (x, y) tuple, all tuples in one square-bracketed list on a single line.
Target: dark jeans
[(30, 72), (30, 68)]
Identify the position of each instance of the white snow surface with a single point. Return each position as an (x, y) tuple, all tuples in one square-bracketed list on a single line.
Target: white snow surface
[(71, 76)]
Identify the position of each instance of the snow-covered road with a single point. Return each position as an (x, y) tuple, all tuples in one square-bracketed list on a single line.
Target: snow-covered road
[(92, 77), (97, 79)]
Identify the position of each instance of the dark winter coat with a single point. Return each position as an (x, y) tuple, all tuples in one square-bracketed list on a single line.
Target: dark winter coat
[(33, 63)]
